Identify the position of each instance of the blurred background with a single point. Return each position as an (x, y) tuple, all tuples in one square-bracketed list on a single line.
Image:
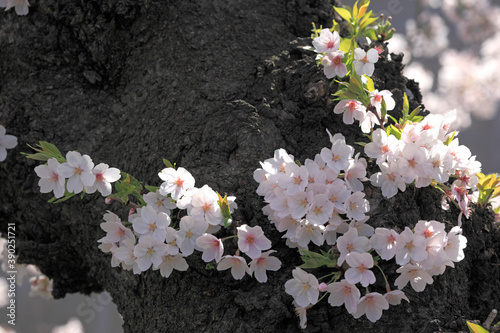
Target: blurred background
[(451, 48)]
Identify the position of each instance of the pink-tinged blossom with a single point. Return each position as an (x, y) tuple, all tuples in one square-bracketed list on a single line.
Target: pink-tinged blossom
[(320, 209), (20, 6), (172, 240), (384, 242), (377, 97), (303, 287), (41, 286), (356, 206), (252, 241), (338, 156), (430, 230), (237, 264), (6, 141), (455, 245), (371, 305), (413, 162), (364, 62), (189, 231), (298, 204), (333, 65), (390, 179), (114, 228), (152, 223), (260, 265), (171, 262), (78, 169), (294, 179), (176, 182), (104, 176), (355, 173), (279, 203), (410, 246), (364, 229), (308, 232), (440, 162), (383, 147), (204, 206), (414, 274), (326, 41), (351, 242), (394, 297), (212, 247), (125, 253), (277, 164), (149, 252), (160, 202), (50, 178), (359, 271), (346, 293), (352, 110)]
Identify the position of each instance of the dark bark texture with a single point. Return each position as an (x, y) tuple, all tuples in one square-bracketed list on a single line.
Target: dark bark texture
[(215, 86)]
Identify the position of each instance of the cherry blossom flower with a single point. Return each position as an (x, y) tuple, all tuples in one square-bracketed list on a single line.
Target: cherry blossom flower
[(308, 232), (376, 98), (78, 169), (413, 162), (352, 109), (327, 41), (394, 297), (320, 209), (176, 182), (383, 147), (149, 252), (356, 206), (161, 203), (371, 305), (104, 176), (115, 230), (355, 173), (189, 231), (384, 242), (6, 141), (212, 247), (410, 246), (237, 264), (338, 156), (414, 274), (455, 245), (41, 286), (359, 271), (333, 65), (303, 287), (204, 206), (364, 62), (171, 262), (152, 223), (260, 265), (349, 242), (125, 254), (50, 179), (252, 240), (389, 179), (346, 293), (172, 241), (20, 6)]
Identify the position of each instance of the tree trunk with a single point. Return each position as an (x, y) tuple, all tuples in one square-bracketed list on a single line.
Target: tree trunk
[(215, 86)]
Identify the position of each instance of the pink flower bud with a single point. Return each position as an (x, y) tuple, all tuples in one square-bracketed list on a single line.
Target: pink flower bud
[(322, 287)]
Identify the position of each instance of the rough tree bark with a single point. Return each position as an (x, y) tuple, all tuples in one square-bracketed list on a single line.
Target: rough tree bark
[(215, 86)]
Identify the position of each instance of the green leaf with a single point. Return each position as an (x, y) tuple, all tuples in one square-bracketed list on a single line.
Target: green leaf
[(50, 148), (361, 143), (315, 260), (406, 108), (474, 328), (345, 45), (151, 188), (66, 197), (394, 131), (168, 164), (413, 114), (344, 13), (369, 84), (372, 34), (38, 156)]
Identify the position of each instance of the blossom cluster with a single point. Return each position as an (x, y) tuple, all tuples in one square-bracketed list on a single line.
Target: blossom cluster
[(327, 46), (426, 152), (7, 141), (154, 242), (310, 201), (75, 175)]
